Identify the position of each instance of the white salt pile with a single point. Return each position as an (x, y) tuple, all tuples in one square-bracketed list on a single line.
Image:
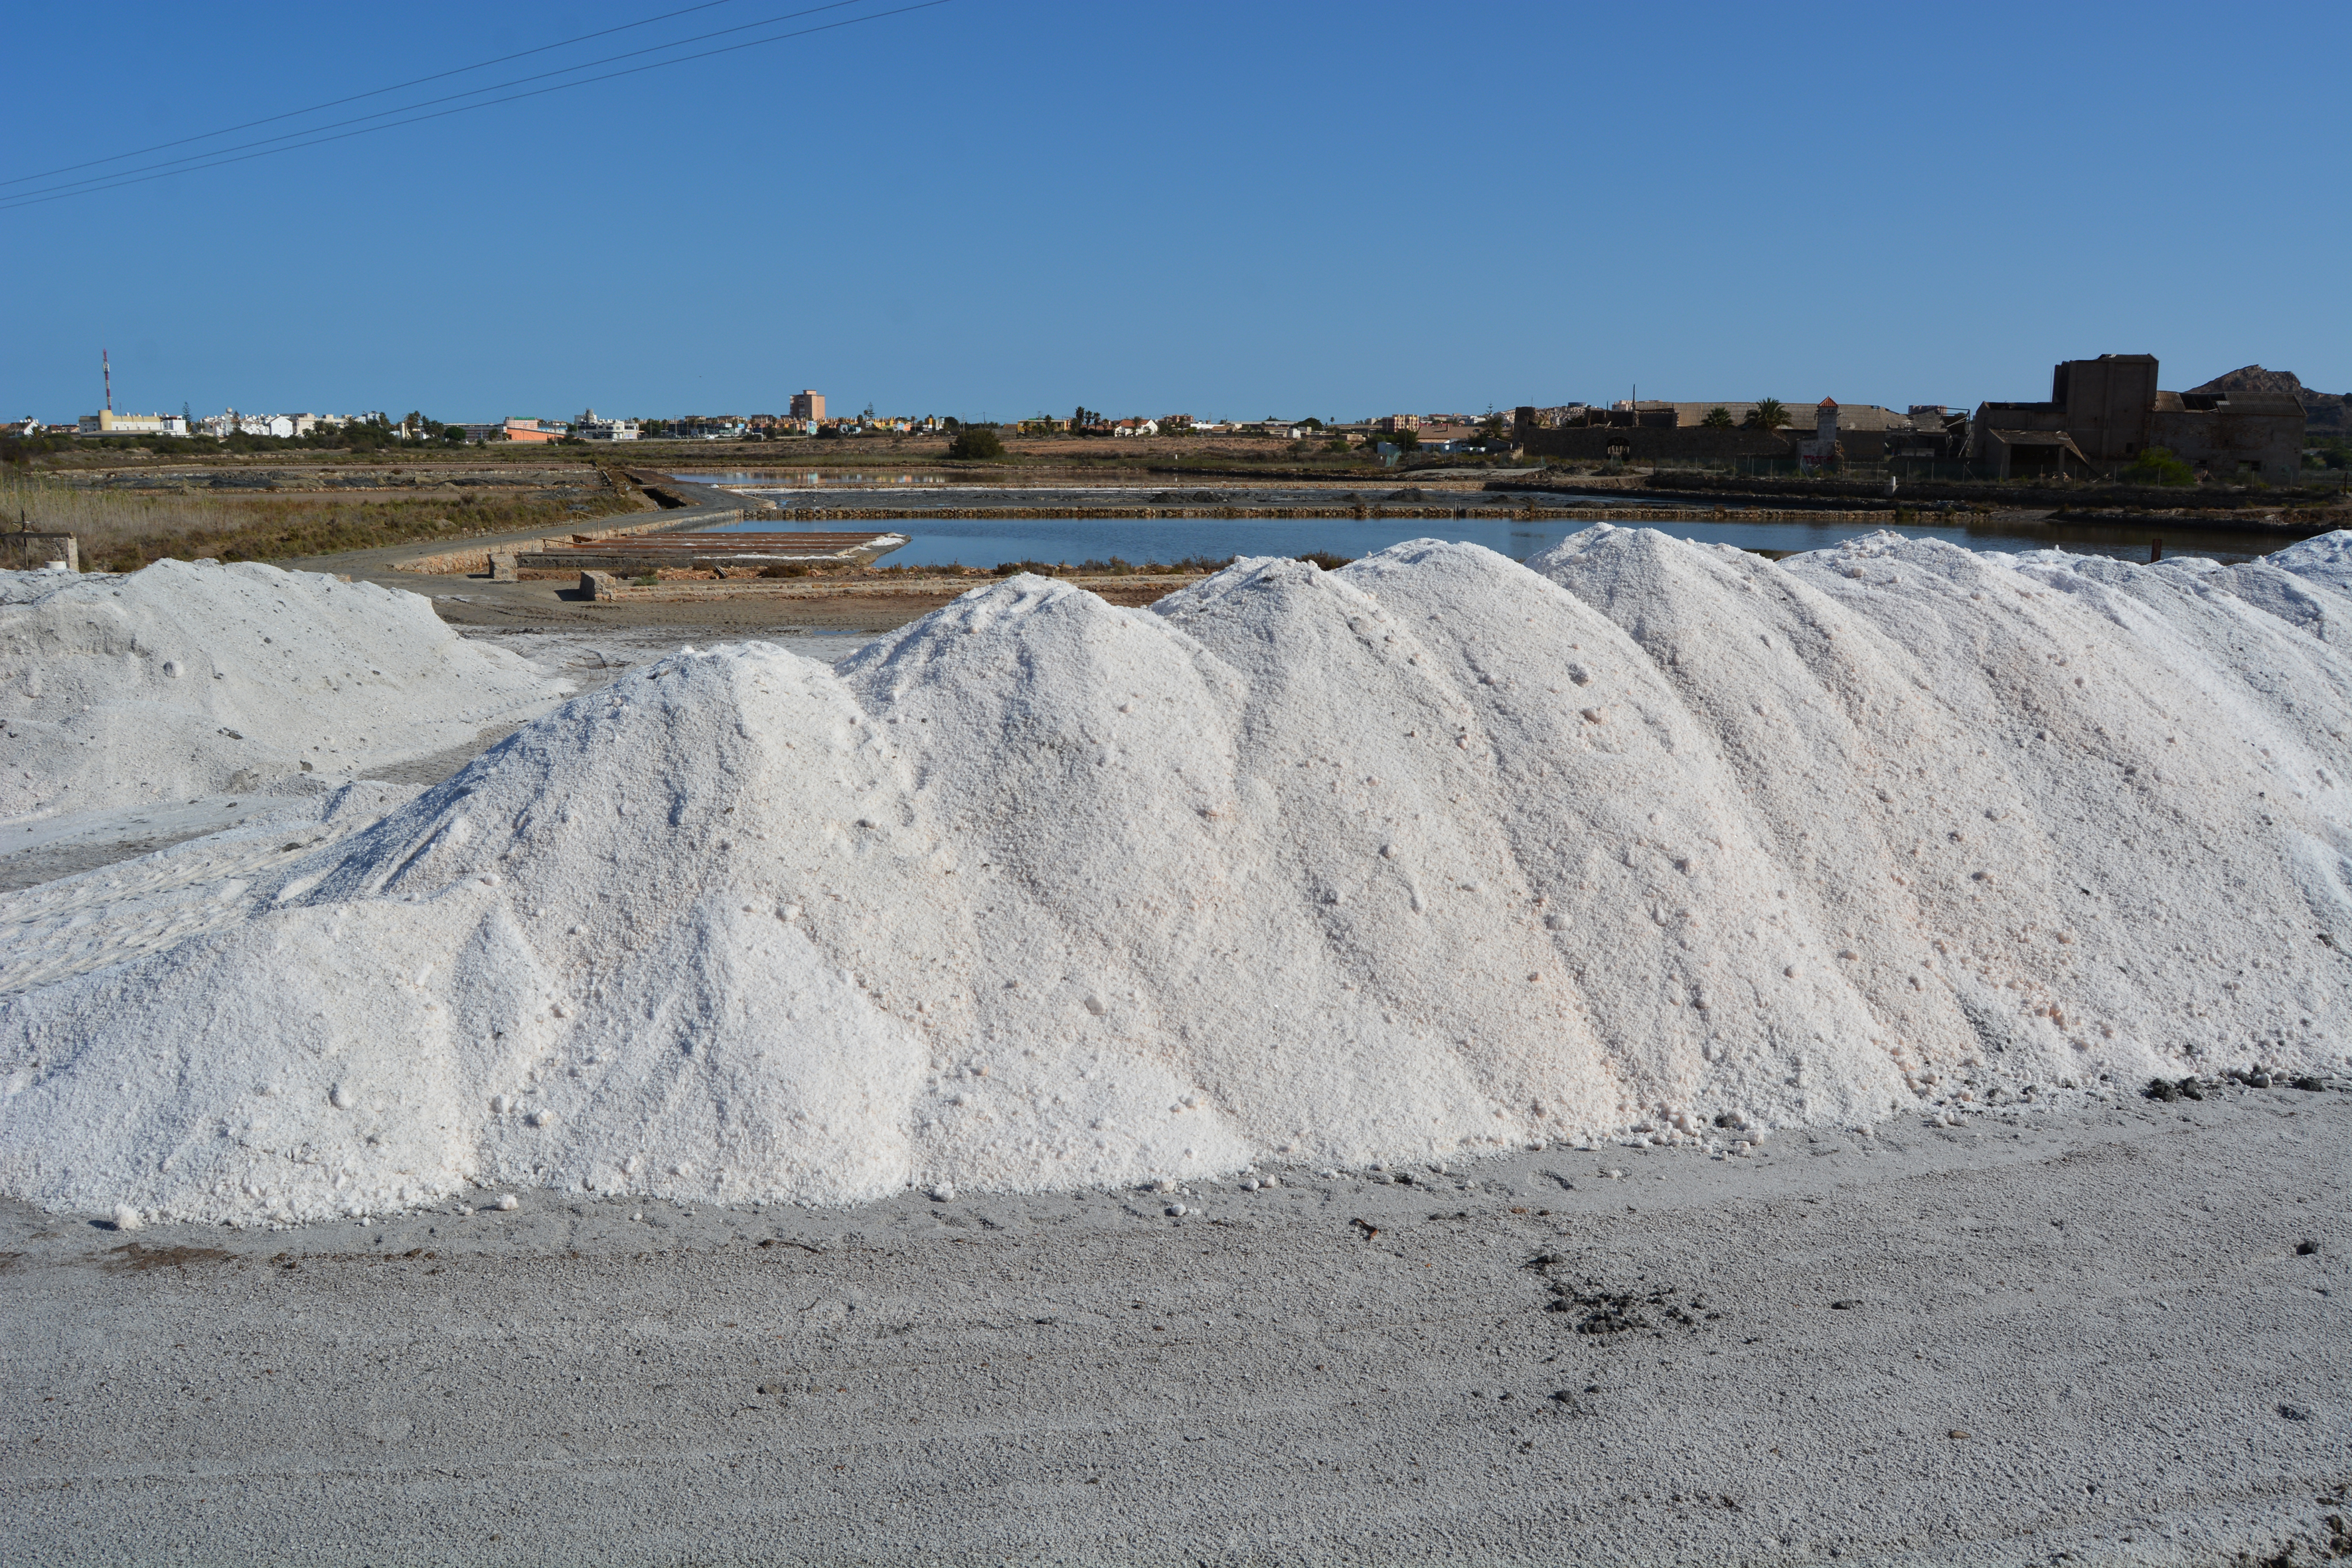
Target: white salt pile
[(196, 678), (69, 926), (1431, 854)]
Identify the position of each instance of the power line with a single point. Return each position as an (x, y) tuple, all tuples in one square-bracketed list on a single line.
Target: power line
[(376, 92), (213, 158), (30, 198)]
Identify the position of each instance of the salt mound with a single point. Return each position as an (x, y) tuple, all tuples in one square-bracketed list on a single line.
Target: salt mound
[(2325, 558), (1434, 853), (197, 678)]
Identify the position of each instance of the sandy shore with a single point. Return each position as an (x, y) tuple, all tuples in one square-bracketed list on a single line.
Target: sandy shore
[(2091, 1332)]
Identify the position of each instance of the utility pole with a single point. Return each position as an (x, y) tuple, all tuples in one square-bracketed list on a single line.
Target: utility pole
[(106, 368)]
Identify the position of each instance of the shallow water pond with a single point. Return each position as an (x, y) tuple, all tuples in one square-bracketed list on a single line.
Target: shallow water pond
[(986, 541)]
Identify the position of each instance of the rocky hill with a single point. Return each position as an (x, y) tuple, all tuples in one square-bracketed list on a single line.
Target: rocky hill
[(2326, 413)]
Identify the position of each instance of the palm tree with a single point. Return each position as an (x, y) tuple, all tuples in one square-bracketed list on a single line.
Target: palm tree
[(1769, 415), (1718, 419)]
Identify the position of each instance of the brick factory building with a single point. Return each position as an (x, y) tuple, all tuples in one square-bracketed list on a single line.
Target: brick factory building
[(2108, 411)]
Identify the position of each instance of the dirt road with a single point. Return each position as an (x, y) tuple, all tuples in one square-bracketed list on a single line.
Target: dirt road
[(2096, 1333)]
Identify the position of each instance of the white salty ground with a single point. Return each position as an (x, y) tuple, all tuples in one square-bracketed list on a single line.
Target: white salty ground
[(2064, 1337)]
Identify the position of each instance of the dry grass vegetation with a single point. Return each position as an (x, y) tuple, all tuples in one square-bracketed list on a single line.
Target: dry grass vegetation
[(122, 531)]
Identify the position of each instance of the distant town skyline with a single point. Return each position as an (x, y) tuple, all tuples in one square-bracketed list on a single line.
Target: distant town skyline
[(1005, 209)]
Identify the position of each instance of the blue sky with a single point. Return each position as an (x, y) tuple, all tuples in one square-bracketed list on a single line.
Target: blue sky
[(992, 207)]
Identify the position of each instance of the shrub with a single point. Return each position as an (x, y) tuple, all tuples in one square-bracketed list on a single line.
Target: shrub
[(976, 443), (2160, 466), (1324, 559)]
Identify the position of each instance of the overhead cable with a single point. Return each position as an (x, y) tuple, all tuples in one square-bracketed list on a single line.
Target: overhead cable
[(372, 92), (311, 136)]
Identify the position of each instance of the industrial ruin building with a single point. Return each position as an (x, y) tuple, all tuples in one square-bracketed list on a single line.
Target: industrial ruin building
[(2103, 412), (1662, 430)]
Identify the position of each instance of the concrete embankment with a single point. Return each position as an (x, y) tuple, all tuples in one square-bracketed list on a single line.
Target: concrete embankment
[(1361, 511), (605, 588), (2253, 503), (2288, 514), (721, 552), (686, 507)]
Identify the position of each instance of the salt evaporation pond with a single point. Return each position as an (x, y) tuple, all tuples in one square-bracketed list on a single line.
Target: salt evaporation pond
[(936, 541)]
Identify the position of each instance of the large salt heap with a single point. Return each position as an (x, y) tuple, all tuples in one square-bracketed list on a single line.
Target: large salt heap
[(1429, 854), (192, 679), (2049, 804)]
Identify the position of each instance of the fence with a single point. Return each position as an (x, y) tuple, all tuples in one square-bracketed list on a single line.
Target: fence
[(27, 551), (1924, 471)]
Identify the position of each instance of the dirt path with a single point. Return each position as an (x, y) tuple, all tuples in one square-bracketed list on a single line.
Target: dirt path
[(2004, 1343)]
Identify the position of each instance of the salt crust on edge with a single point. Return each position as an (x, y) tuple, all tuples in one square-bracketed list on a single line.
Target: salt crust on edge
[(1432, 853)]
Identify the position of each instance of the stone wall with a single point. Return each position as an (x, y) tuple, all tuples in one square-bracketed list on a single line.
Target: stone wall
[(2224, 440), (1637, 444)]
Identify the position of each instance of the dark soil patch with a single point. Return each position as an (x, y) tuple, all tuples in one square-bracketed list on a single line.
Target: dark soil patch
[(136, 1258)]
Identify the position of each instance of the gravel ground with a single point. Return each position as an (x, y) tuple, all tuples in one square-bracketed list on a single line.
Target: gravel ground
[(2110, 1333)]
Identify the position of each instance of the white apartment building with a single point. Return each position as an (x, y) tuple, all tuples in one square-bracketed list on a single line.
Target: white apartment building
[(588, 428)]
